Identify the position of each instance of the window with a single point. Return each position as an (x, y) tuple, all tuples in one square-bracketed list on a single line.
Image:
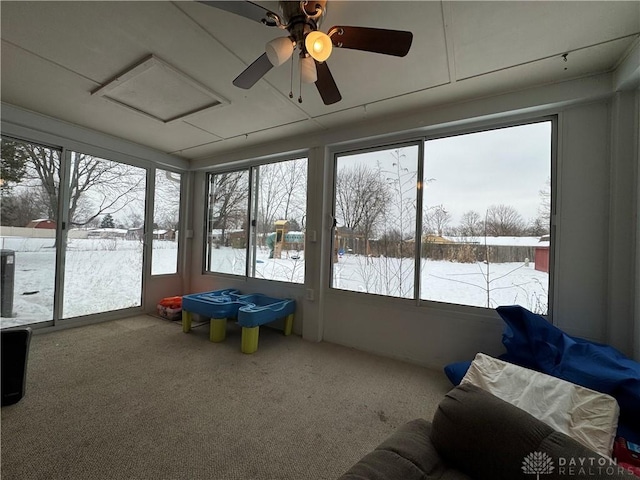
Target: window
[(486, 211), (375, 212), (255, 221), (482, 207), (166, 221), (227, 222)]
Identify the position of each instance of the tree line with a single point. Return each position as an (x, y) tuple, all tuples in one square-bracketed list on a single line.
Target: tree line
[(279, 192), (374, 202), (102, 193)]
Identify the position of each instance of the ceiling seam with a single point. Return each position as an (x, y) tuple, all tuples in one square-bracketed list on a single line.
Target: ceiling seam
[(447, 21), (50, 61), (246, 135), (206, 131), (558, 55)]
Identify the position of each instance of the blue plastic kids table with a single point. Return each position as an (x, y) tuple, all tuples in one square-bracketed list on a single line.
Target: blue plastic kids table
[(250, 311)]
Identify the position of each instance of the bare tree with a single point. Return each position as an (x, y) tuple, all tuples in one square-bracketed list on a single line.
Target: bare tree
[(437, 219), (400, 216), (471, 224), (96, 186), (503, 220), (362, 197), (270, 196), (228, 194), (19, 208), (544, 210), (294, 176), (110, 186), (166, 207), (541, 225)]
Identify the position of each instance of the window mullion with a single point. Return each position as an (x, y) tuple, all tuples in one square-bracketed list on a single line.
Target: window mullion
[(419, 215)]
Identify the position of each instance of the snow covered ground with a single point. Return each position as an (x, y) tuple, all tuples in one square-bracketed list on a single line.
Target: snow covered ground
[(100, 275), (106, 274)]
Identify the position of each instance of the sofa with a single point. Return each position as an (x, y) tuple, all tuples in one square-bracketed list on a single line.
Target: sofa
[(476, 435)]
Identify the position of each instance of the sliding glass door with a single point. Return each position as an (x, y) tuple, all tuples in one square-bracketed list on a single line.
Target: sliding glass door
[(105, 238), (72, 233)]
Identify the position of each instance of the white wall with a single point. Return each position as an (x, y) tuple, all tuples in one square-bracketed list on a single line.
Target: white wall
[(593, 284)]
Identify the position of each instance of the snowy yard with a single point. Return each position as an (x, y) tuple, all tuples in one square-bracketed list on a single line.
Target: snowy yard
[(100, 275), (106, 274)]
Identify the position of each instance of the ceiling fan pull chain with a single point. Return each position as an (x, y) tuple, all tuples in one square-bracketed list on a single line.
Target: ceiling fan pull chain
[(291, 79), (300, 97)]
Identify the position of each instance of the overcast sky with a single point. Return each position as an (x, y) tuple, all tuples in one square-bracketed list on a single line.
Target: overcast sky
[(472, 172)]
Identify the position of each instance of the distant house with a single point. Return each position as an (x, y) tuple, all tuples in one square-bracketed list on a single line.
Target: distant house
[(164, 234), (42, 223), (138, 234), (438, 239)]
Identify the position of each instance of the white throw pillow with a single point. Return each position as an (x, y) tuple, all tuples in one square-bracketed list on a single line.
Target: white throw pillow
[(585, 415)]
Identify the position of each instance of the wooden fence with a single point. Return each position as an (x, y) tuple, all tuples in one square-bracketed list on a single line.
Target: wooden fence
[(468, 253), (455, 252)]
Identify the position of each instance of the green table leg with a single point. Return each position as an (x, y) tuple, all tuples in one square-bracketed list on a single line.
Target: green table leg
[(249, 342), (186, 321), (218, 329), (288, 324)]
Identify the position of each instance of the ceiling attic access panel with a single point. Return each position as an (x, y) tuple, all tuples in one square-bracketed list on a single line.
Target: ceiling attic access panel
[(159, 90)]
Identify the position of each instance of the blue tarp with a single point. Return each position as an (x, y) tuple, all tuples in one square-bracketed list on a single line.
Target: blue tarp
[(533, 342)]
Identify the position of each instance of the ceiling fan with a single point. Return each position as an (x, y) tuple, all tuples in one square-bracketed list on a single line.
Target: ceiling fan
[(301, 19)]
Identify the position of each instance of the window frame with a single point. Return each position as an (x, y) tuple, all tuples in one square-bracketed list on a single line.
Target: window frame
[(252, 166), (387, 146), (181, 215), (422, 136)]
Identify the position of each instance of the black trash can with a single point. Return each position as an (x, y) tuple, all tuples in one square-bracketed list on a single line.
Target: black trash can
[(6, 282), (15, 352)]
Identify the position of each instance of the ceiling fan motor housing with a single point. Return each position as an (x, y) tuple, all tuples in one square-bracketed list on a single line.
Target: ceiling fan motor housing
[(302, 18)]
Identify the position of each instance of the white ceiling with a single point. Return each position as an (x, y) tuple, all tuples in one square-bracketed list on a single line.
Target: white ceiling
[(58, 58)]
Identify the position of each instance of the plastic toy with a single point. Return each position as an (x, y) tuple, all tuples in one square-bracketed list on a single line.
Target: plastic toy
[(251, 311)]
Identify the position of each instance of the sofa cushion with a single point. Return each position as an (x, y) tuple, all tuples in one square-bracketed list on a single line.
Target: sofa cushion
[(406, 454), (488, 438)]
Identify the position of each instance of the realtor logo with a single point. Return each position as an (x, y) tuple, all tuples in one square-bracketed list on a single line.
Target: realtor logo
[(537, 463)]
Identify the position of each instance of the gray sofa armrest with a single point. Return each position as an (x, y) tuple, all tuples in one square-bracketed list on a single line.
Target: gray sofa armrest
[(407, 454)]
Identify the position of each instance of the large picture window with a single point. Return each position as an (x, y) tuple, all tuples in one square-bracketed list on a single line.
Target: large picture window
[(482, 209), (256, 221)]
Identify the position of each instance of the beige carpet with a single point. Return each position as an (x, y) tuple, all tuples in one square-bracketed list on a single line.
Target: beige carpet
[(139, 399)]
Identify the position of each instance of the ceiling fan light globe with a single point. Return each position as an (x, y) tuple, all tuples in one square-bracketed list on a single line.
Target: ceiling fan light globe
[(318, 45), (279, 50), (308, 73)]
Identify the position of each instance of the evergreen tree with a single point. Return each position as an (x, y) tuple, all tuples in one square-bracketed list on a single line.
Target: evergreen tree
[(13, 165), (107, 221)]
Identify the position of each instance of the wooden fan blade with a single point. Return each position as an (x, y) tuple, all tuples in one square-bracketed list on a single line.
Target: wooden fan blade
[(249, 10), (326, 84), (253, 72), (377, 40)]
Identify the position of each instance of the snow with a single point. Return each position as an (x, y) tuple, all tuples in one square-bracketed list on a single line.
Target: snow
[(100, 275), (502, 241), (106, 274)]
